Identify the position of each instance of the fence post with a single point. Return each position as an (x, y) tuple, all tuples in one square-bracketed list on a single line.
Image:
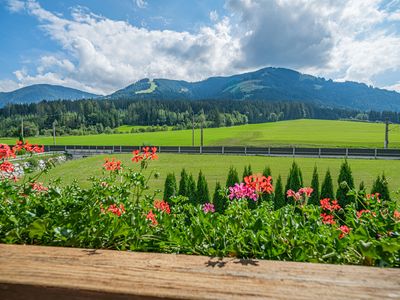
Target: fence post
[(201, 149), (269, 151), (376, 153), (319, 152), (223, 150), (347, 152), (179, 149), (294, 151), (159, 149), (245, 150)]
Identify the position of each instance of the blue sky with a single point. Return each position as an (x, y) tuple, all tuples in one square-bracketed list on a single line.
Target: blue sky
[(101, 46)]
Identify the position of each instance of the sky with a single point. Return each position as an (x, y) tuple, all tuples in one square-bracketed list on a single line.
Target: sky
[(102, 46)]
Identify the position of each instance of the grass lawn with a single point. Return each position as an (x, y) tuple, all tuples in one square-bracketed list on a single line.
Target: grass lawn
[(307, 133), (215, 168)]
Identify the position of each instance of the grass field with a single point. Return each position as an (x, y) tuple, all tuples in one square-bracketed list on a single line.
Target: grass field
[(215, 168), (307, 133)]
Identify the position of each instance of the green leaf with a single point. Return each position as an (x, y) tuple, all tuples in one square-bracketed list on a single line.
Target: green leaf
[(122, 231), (37, 229), (391, 246)]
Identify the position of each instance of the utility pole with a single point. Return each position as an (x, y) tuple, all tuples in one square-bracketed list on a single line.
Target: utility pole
[(22, 128), (201, 135), (386, 144), (193, 130), (54, 132)]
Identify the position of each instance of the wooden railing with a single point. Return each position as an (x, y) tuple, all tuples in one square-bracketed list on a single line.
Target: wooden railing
[(35, 272)]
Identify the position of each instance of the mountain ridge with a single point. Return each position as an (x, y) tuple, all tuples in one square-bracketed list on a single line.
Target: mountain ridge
[(39, 92), (274, 84), (267, 84)]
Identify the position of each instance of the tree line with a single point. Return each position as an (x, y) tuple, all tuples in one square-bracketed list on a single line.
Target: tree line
[(89, 116)]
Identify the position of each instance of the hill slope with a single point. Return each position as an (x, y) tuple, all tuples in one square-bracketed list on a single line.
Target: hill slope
[(299, 133), (38, 92), (267, 84)]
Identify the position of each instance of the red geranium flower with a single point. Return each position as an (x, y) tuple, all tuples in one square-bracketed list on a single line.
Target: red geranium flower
[(6, 152), (146, 152), (328, 204), (344, 231), (152, 217), (114, 209), (327, 219), (162, 205), (112, 165), (38, 187), (153, 155), (259, 183), (7, 167), (146, 155), (137, 156), (38, 149), (365, 211)]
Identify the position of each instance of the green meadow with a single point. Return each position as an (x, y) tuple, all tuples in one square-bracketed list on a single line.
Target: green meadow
[(305, 133), (215, 168)]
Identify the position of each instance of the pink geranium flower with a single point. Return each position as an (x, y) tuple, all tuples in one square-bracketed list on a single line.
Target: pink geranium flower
[(242, 191)]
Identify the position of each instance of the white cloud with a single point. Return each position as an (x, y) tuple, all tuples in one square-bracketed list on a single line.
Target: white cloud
[(8, 85), (394, 87), (15, 5), (342, 40), (214, 16), (281, 33), (102, 55), (141, 3)]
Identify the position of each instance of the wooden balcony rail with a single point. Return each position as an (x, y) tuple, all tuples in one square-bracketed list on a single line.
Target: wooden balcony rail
[(35, 272)]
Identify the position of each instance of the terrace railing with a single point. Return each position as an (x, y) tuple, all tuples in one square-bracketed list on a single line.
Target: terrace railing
[(37, 272)]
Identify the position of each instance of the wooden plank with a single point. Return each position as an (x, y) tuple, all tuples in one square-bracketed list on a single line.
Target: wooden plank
[(34, 272)]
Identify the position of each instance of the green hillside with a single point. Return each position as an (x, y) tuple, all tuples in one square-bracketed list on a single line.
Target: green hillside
[(308, 133)]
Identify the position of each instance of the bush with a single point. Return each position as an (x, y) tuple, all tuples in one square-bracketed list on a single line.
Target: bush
[(295, 178), (267, 172), (247, 171), (314, 199), (219, 199), (279, 195), (192, 190), (345, 184), (381, 187), (170, 189), (327, 186), (233, 177), (361, 187), (202, 195), (183, 184)]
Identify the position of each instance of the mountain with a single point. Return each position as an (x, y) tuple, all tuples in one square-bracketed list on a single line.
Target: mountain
[(39, 92), (267, 84)]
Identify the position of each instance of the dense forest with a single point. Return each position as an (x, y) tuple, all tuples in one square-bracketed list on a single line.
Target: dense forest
[(102, 116)]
